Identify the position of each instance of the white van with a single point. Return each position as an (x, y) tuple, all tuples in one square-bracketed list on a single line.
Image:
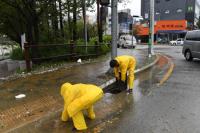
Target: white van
[(191, 46), (125, 41)]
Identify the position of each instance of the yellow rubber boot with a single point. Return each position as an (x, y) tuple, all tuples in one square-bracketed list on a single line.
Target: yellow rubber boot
[(91, 113), (131, 74), (131, 79), (79, 121)]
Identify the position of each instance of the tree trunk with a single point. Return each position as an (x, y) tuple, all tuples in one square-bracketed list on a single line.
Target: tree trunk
[(54, 20), (61, 18), (74, 20), (36, 31), (69, 19), (29, 33)]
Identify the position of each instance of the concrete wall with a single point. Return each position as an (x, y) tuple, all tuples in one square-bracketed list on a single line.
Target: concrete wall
[(8, 67)]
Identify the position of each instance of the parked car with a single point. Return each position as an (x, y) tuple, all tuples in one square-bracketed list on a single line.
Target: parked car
[(162, 40), (179, 41), (191, 46), (125, 41)]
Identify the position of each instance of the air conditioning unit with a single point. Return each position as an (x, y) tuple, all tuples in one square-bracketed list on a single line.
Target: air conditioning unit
[(105, 2)]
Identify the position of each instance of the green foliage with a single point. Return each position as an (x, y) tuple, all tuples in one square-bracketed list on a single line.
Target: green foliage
[(105, 49), (107, 38), (93, 40), (51, 51), (17, 54)]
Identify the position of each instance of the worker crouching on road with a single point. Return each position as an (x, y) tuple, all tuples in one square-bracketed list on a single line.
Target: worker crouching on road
[(77, 98), (124, 64)]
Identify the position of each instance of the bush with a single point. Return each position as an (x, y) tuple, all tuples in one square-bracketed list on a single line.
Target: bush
[(17, 54), (107, 38), (93, 40), (105, 48)]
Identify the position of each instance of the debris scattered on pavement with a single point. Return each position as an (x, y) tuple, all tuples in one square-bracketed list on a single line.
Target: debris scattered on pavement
[(20, 96), (79, 61)]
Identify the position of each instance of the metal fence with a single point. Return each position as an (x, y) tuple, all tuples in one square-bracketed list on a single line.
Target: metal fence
[(72, 51)]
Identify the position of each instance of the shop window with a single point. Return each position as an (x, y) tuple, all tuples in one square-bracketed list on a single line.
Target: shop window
[(157, 13), (167, 11)]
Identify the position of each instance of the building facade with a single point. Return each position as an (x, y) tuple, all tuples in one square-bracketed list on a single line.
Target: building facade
[(124, 21), (172, 17), (188, 10)]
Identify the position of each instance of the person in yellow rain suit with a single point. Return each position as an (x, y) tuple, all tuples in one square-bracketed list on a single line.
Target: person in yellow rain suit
[(123, 64), (77, 98)]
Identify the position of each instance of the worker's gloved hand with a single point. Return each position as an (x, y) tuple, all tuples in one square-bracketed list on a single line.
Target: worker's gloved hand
[(117, 79)]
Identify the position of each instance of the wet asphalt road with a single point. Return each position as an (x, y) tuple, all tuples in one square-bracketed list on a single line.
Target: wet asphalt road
[(173, 107)]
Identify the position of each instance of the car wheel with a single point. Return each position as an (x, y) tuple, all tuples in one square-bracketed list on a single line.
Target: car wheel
[(123, 46), (174, 44), (188, 55), (118, 46)]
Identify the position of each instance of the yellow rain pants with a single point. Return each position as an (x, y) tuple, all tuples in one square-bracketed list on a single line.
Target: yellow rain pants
[(79, 97), (126, 64)]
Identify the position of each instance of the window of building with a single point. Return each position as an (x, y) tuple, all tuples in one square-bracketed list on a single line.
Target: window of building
[(179, 10), (157, 1), (190, 8), (146, 15), (167, 11), (167, 0), (157, 13)]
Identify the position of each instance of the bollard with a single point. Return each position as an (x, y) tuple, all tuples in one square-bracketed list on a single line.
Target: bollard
[(27, 57)]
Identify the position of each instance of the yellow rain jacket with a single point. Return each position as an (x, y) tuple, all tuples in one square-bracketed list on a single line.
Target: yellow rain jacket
[(77, 98), (126, 63)]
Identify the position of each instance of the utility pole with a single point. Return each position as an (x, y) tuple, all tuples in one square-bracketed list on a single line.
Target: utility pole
[(114, 18), (151, 29)]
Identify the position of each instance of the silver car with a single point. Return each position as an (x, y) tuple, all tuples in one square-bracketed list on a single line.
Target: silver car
[(191, 46)]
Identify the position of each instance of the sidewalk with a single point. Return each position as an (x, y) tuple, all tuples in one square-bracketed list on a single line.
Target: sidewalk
[(43, 91)]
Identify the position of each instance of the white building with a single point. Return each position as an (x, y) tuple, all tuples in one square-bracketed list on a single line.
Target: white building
[(122, 27)]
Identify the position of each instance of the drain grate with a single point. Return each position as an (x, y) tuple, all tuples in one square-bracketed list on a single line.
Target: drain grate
[(26, 112)]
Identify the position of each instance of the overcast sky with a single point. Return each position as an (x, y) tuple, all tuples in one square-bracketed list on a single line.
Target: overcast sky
[(134, 5)]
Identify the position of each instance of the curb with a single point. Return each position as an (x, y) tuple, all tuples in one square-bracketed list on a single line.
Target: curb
[(108, 83)]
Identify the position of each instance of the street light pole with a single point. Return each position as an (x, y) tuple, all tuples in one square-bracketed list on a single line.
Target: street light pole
[(114, 18), (151, 29)]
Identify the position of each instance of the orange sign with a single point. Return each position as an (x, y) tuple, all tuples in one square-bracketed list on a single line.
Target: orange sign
[(164, 25)]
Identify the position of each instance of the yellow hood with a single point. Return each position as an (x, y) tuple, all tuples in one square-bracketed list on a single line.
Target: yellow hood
[(64, 87)]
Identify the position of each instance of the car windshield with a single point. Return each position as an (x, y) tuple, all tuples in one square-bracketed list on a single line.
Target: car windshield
[(130, 38)]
